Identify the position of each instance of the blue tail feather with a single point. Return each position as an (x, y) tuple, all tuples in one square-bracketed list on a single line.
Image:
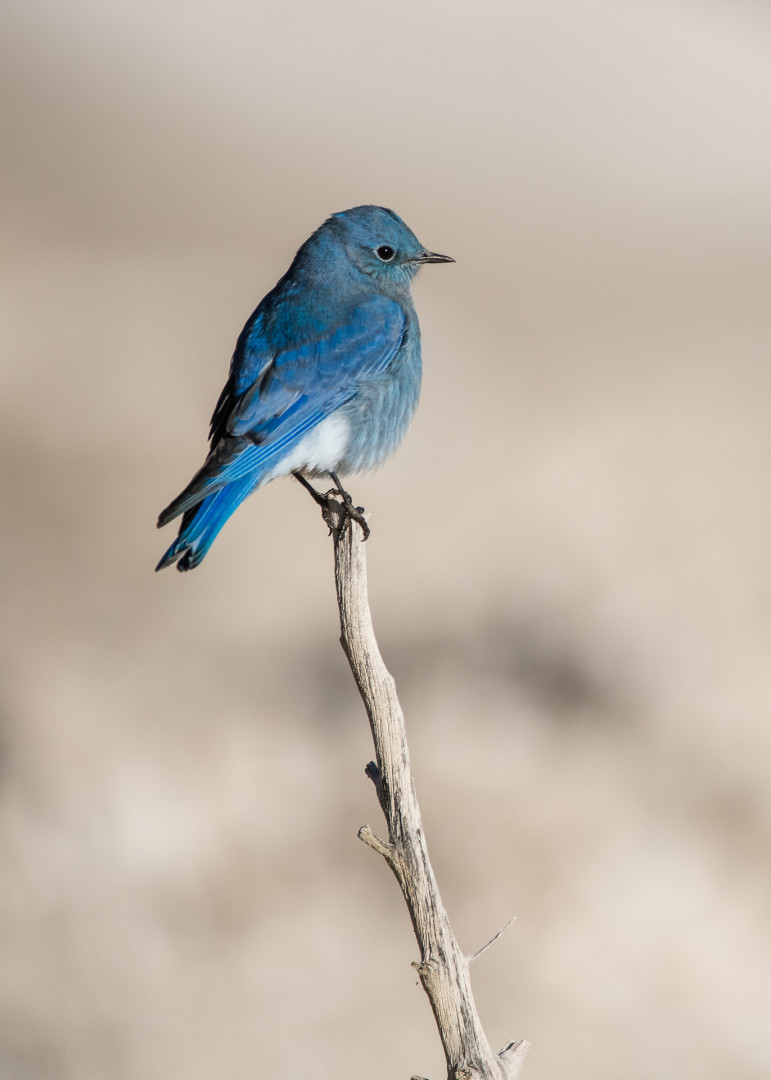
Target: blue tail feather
[(202, 523)]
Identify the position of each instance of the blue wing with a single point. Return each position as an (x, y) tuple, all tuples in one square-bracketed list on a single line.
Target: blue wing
[(278, 390)]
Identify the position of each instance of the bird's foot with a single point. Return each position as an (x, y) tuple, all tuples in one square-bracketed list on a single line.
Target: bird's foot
[(330, 503), (350, 512)]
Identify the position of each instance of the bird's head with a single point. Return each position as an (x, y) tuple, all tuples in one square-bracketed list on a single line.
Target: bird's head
[(377, 243)]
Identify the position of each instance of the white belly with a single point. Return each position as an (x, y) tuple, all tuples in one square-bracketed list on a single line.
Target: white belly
[(320, 451)]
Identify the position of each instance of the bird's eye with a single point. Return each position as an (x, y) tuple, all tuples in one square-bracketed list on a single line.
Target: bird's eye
[(385, 253)]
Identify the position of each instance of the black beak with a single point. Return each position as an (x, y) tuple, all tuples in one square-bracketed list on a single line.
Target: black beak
[(432, 257)]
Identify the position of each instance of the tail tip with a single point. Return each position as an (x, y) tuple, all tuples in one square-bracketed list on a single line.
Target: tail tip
[(186, 558)]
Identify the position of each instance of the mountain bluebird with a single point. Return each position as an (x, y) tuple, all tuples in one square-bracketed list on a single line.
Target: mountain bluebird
[(325, 376)]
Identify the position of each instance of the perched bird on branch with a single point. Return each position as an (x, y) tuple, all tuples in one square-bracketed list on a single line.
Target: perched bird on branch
[(325, 376)]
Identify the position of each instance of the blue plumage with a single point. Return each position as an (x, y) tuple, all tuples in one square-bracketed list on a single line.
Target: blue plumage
[(325, 376)]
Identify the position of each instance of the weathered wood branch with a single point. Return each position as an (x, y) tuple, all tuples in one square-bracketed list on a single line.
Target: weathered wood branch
[(443, 968)]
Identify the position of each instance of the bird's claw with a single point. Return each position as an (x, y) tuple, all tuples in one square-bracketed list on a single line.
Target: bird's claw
[(356, 513), (349, 512), (335, 518)]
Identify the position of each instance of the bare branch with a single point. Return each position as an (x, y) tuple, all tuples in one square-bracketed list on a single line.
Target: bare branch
[(443, 968), (512, 1058), (366, 834), (492, 940)]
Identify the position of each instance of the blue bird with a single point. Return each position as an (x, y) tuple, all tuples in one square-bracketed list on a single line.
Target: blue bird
[(325, 376)]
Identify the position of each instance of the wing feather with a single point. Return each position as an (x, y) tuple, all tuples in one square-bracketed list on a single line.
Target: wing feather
[(274, 396)]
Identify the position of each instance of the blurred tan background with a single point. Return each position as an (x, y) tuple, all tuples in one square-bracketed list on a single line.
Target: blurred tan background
[(569, 564)]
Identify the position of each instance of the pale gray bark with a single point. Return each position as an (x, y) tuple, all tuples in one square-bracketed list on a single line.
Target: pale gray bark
[(443, 968)]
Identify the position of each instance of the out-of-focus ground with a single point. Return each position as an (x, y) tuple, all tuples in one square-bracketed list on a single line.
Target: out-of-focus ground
[(569, 565)]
